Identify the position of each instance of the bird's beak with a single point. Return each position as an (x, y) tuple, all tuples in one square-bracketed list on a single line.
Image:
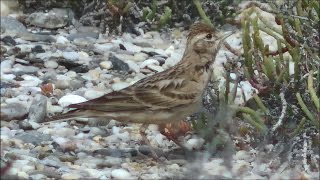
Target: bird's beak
[(224, 35)]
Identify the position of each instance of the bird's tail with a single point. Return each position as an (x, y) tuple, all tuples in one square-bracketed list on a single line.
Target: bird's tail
[(71, 115), (98, 119)]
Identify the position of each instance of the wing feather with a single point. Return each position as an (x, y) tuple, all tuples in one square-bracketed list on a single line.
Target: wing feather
[(163, 94)]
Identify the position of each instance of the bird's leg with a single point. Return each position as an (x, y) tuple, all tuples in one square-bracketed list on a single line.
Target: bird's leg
[(173, 130), (142, 130)]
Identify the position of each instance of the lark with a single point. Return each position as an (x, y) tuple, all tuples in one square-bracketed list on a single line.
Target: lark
[(165, 97)]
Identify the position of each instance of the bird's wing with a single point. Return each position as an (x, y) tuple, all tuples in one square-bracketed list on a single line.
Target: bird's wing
[(145, 95)]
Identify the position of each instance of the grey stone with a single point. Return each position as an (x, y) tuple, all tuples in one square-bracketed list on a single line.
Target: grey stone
[(12, 27), (33, 137), (38, 108), (13, 111), (56, 18), (118, 64)]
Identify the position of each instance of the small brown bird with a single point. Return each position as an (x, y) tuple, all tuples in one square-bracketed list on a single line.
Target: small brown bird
[(164, 97)]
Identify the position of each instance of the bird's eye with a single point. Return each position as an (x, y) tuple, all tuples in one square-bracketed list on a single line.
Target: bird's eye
[(209, 36)]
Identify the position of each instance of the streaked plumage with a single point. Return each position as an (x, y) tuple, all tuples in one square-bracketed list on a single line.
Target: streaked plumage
[(164, 97)]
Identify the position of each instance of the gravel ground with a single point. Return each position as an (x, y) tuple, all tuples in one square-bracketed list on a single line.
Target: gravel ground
[(41, 74)]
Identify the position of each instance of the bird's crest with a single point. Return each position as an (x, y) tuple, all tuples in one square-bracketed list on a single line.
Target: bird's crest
[(200, 27)]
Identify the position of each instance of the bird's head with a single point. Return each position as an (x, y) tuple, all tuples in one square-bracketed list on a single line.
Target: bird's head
[(204, 39)]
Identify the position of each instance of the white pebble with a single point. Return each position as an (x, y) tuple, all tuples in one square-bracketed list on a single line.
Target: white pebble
[(132, 65), (70, 99), (7, 77), (6, 66), (92, 94), (131, 47), (148, 62), (71, 176), (62, 40), (83, 56), (139, 57), (30, 81), (71, 74), (120, 174), (61, 140), (172, 60), (155, 68), (106, 64), (169, 50), (51, 64), (242, 155), (71, 55), (102, 48), (118, 86), (194, 143)]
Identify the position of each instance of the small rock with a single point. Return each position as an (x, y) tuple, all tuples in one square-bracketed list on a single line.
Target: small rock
[(8, 40), (103, 48), (148, 62), (83, 35), (70, 99), (62, 40), (25, 125), (142, 42), (106, 65), (172, 60), (155, 68), (131, 47), (120, 85), (118, 64), (37, 49), (51, 64), (21, 69), (7, 77), (30, 81), (92, 94), (13, 111), (6, 66), (243, 155), (3, 50), (33, 137), (73, 56), (133, 66), (70, 176), (38, 108), (62, 84), (120, 174), (56, 18)]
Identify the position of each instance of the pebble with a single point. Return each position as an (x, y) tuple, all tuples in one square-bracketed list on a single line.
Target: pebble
[(70, 176), (106, 64), (72, 56), (148, 62), (133, 66), (194, 143), (13, 111), (118, 86), (51, 64), (70, 99), (7, 77), (38, 108), (121, 174), (6, 66), (118, 64), (155, 68), (30, 81), (103, 48), (92, 94), (62, 40), (21, 69)]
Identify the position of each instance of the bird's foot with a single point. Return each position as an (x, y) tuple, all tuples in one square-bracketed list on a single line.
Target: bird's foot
[(174, 130)]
